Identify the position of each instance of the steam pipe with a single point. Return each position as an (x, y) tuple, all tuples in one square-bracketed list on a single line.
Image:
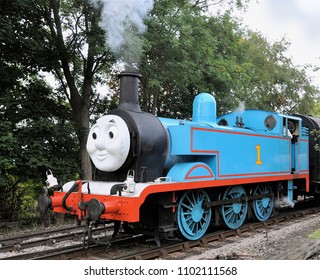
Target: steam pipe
[(129, 86)]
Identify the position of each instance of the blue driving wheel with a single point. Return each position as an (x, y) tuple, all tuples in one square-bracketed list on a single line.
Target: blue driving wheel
[(235, 213), (193, 220), (262, 207)]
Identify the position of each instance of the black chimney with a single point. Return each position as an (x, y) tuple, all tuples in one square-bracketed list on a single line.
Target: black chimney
[(129, 84)]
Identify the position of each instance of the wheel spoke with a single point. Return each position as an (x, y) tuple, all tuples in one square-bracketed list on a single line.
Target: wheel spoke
[(193, 198), (234, 214), (188, 217), (262, 207), (191, 203), (189, 207), (193, 220)]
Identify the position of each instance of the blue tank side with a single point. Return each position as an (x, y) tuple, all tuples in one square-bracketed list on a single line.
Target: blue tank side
[(171, 157), (232, 152)]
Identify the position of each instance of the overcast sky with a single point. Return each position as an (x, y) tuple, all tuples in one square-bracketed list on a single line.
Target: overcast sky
[(296, 20)]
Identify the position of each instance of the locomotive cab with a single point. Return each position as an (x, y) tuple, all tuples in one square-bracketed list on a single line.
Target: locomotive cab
[(291, 127), (313, 124)]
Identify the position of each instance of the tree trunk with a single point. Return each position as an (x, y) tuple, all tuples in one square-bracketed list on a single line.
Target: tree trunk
[(86, 169), (81, 116), (80, 103)]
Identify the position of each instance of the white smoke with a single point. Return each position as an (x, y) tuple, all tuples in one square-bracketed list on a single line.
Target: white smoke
[(284, 202), (123, 22), (241, 108)]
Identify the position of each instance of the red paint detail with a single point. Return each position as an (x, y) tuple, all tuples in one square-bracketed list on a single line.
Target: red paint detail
[(254, 174), (174, 200), (239, 133), (111, 206), (56, 201), (188, 177), (129, 207)]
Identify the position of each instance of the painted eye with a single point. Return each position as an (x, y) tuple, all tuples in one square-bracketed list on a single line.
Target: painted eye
[(95, 132), (113, 133)]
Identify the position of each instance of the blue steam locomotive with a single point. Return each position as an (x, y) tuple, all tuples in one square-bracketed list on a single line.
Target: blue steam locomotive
[(166, 176)]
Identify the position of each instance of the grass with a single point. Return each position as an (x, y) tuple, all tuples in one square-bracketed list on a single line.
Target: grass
[(315, 234)]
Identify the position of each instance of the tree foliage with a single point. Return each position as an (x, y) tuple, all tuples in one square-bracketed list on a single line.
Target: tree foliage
[(188, 51), (269, 79), (64, 38), (35, 135)]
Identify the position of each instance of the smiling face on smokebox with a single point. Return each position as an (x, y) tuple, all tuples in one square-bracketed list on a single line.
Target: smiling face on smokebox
[(109, 143)]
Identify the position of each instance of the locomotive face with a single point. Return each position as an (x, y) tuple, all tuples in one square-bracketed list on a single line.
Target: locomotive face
[(109, 143)]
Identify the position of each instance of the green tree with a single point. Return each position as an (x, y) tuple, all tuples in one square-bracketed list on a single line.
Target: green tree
[(35, 135), (268, 78), (176, 51), (61, 37), (187, 51)]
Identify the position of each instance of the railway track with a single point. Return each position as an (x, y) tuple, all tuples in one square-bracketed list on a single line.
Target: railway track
[(138, 246), (50, 242), (247, 231), (39, 238)]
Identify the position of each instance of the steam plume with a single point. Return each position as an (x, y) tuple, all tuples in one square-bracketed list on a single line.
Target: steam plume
[(123, 22), (240, 108)]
